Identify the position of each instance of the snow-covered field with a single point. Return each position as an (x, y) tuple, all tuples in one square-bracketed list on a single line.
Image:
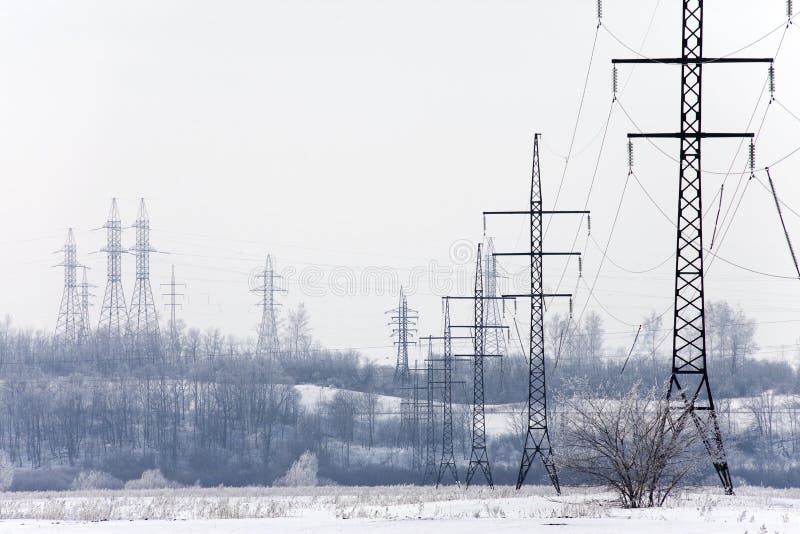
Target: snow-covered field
[(401, 509)]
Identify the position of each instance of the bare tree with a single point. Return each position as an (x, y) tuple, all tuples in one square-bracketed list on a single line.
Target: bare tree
[(342, 410), (763, 410), (593, 333), (634, 445), (299, 332), (651, 336), (792, 408)]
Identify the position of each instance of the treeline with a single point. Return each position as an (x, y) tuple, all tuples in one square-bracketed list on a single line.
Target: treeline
[(204, 409)]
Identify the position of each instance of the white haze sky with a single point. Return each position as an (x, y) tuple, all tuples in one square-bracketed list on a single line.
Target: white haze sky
[(344, 135)]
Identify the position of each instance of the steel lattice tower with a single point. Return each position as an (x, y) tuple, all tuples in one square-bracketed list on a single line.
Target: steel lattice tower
[(689, 386), (85, 330), (68, 324), (173, 306), (143, 319), (537, 437), (268, 344), (403, 320), (448, 462), (430, 472), (416, 454), (114, 313), (495, 341), (479, 456)]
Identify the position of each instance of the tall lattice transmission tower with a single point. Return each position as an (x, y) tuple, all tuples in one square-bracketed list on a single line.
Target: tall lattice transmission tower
[(143, 318), (537, 436), (690, 391), (114, 313), (429, 470), (495, 340), (268, 344), (403, 321), (448, 461), (69, 314), (173, 305), (84, 288), (479, 455)]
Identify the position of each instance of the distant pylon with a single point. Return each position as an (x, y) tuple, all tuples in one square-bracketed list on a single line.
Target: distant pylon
[(268, 344), (429, 473), (85, 329), (495, 340), (69, 313), (448, 462), (416, 443), (173, 305), (479, 455), (143, 318), (403, 322), (114, 313)]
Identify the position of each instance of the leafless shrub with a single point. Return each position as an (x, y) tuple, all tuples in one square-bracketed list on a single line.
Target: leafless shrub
[(634, 445), (151, 479), (93, 480)]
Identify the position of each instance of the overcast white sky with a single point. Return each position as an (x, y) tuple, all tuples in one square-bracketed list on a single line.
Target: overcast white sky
[(341, 136)]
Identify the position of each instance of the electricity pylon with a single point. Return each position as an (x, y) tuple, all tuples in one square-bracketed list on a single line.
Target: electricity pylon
[(410, 428), (429, 472), (479, 456), (173, 305), (403, 321), (68, 324), (85, 330), (441, 377), (268, 344), (537, 437), (114, 312), (495, 340), (689, 389), (143, 328), (448, 463)]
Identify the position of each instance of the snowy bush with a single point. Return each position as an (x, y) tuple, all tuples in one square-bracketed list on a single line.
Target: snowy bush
[(92, 480), (151, 479), (302, 473), (632, 445), (6, 471)]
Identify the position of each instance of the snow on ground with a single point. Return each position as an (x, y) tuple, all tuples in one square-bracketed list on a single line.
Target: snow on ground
[(396, 509), (498, 416), (312, 396)]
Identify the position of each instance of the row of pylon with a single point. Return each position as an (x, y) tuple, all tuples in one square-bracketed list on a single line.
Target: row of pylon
[(418, 413), (118, 326)]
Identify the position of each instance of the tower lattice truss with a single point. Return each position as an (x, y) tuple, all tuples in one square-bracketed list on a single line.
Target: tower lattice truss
[(114, 312), (403, 322), (143, 329), (69, 322), (690, 390), (495, 341), (268, 342)]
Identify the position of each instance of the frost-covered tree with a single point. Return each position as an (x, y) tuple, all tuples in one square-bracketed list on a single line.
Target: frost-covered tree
[(303, 472), (6, 471), (298, 332), (151, 479), (634, 445), (730, 334), (93, 480)]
